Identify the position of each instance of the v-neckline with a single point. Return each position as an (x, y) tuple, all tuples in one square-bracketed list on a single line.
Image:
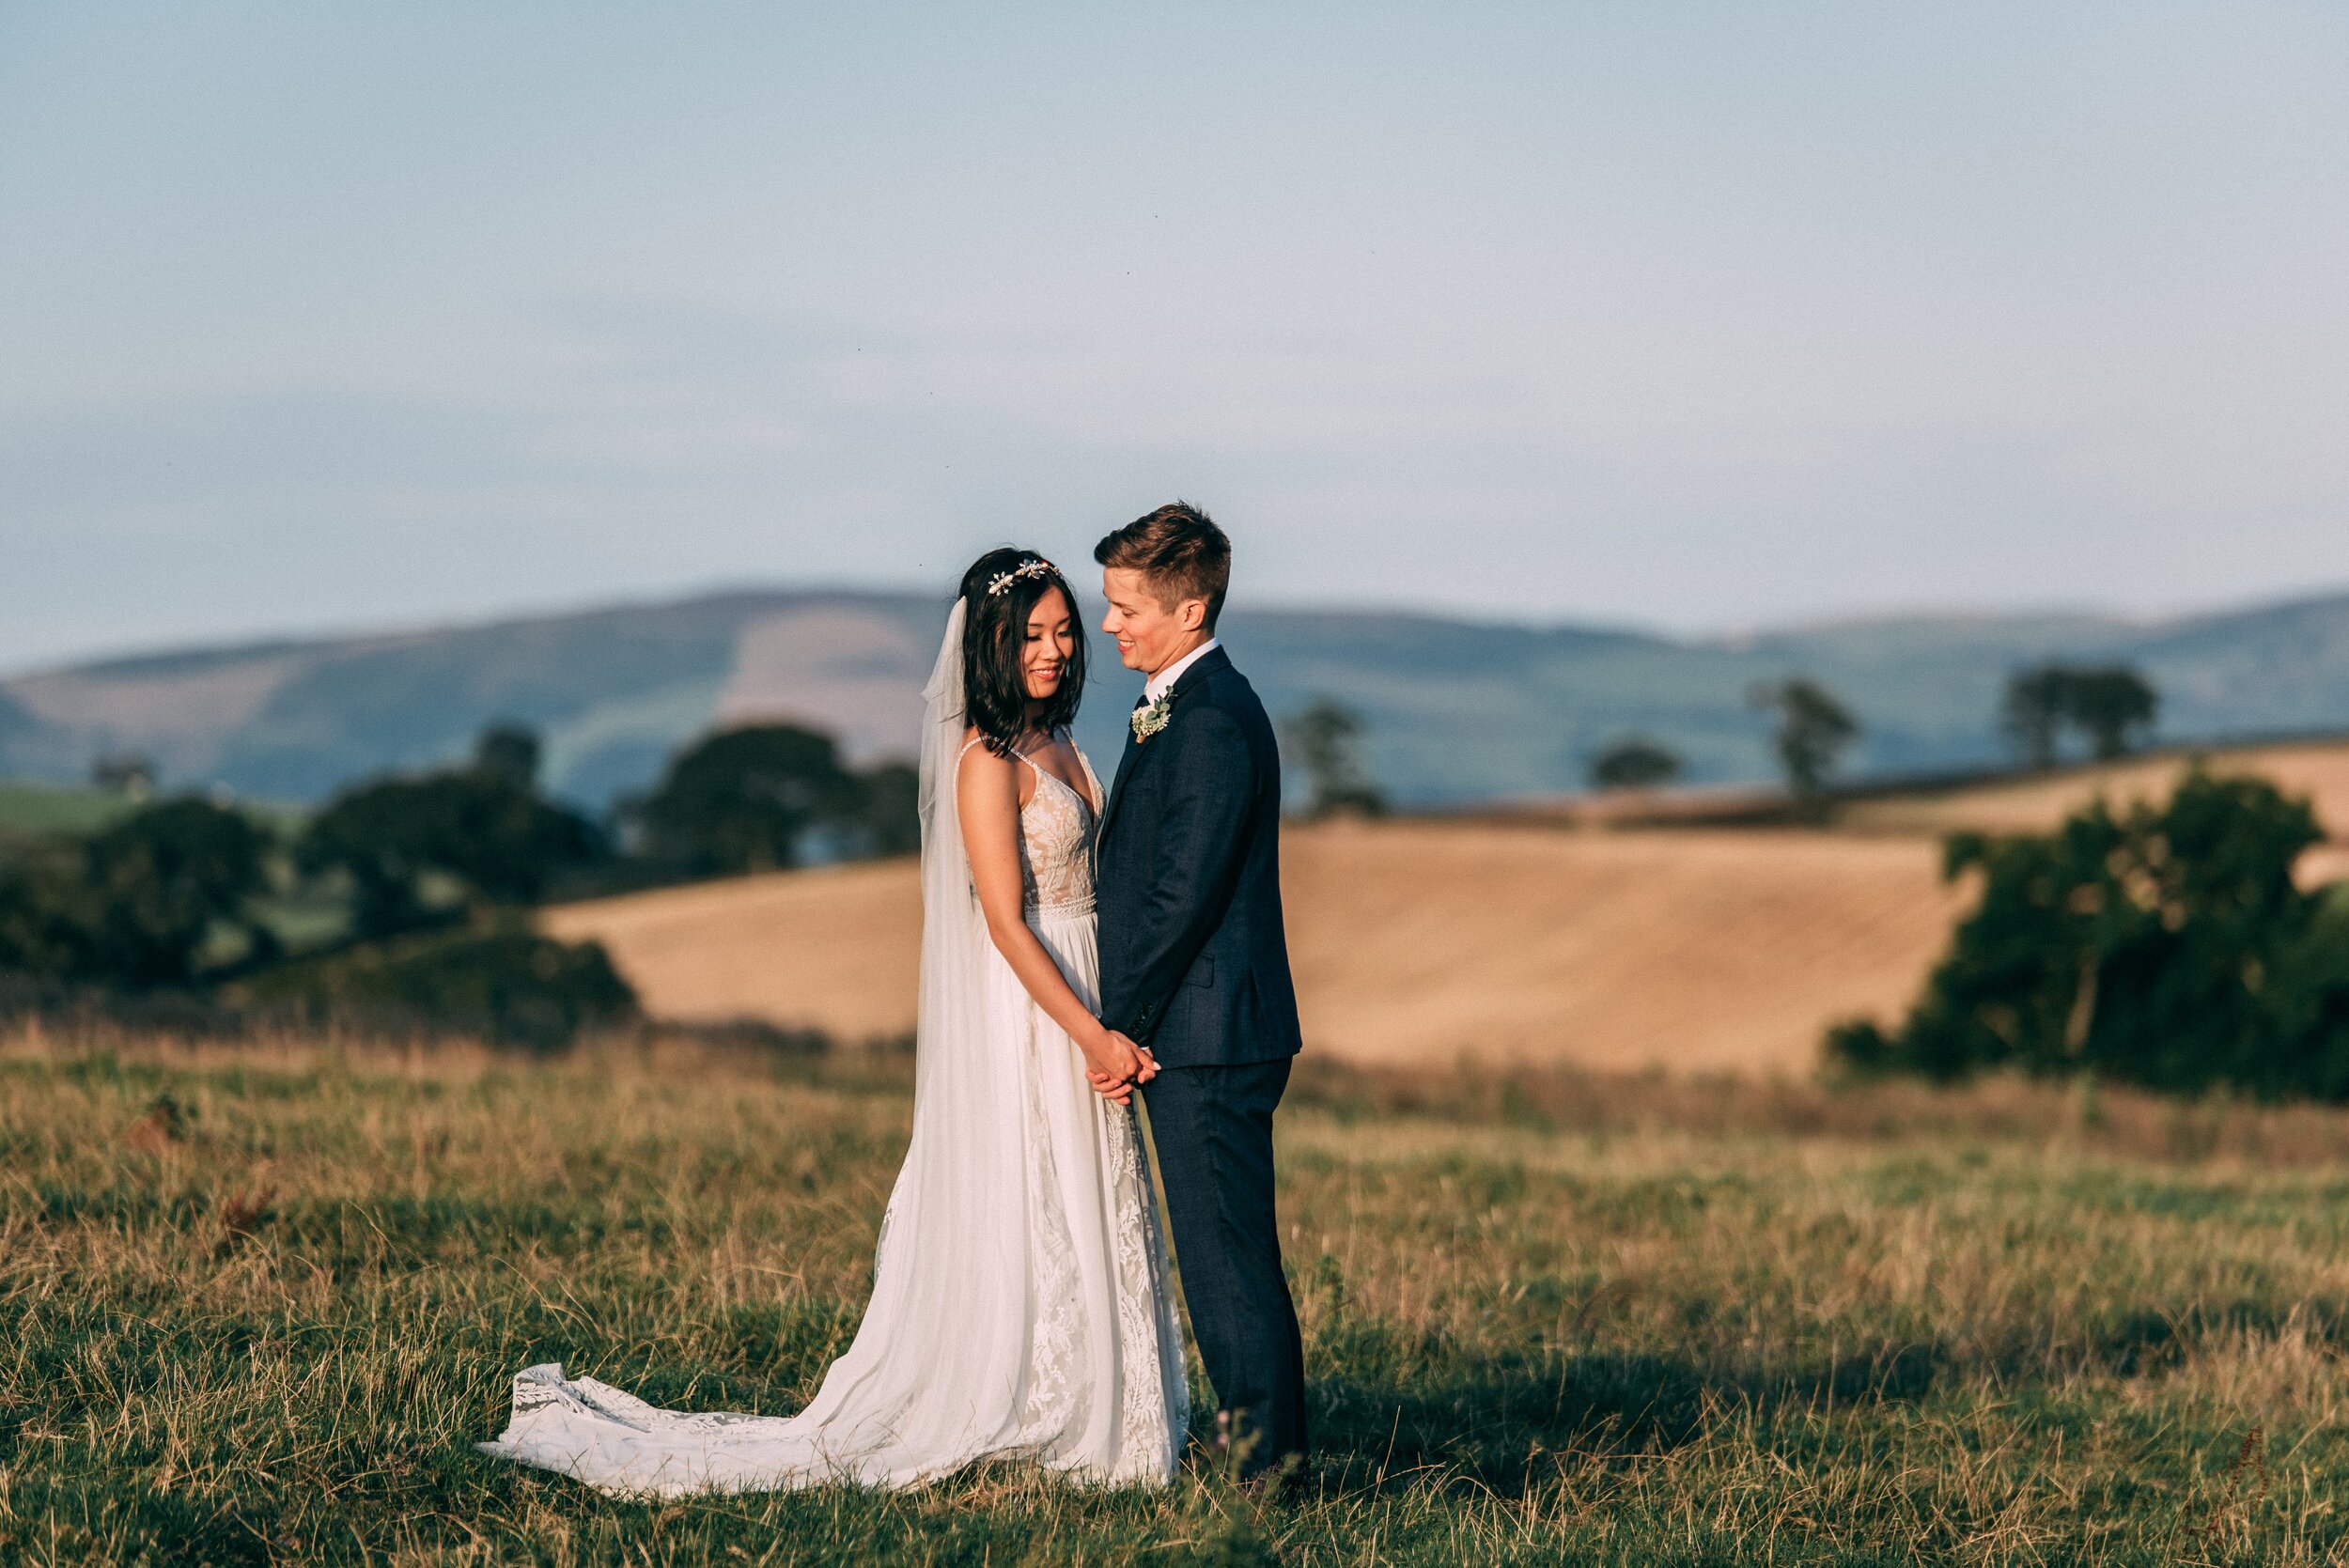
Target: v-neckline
[(1086, 797)]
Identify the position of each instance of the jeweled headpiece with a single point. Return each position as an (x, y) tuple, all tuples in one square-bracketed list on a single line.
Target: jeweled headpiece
[(1001, 584)]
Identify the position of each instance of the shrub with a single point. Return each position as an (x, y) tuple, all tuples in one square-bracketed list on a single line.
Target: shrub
[(164, 878), (45, 915), (2167, 946), (1634, 762), (502, 982), (137, 904)]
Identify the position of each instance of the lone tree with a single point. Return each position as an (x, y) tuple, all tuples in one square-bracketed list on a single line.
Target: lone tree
[(2110, 706), (2033, 710), (744, 800), (508, 751), (1812, 730), (1326, 735), (1634, 762), (2115, 706)]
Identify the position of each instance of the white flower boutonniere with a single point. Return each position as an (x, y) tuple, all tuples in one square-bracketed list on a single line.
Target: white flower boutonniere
[(1149, 721)]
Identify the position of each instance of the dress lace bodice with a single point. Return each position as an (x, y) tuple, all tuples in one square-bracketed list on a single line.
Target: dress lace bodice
[(1056, 830)]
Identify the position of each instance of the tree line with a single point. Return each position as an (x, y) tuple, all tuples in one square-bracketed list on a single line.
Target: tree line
[(426, 876), (2110, 709), (414, 851), (181, 891)]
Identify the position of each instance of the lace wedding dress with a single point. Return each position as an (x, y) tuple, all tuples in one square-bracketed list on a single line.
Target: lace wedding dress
[(1019, 1308)]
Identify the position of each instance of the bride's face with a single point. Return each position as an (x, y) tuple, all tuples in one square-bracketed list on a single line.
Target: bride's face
[(1049, 644)]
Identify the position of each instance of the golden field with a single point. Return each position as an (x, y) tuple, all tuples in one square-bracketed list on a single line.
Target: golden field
[(2317, 769), (1705, 949), (1411, 942)]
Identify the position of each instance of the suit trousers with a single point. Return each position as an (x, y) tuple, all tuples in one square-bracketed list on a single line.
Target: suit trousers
[(1212, 1127)]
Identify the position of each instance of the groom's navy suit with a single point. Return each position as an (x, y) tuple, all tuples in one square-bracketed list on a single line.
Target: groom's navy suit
[(1194, 965)]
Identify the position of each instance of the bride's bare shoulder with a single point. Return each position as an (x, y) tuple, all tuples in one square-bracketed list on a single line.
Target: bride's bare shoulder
[(979, 760)]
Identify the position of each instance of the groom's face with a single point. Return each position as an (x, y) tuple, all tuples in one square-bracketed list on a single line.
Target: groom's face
[(1150, 634)]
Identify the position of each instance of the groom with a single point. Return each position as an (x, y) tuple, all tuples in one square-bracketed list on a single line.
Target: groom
[(1194, 963)]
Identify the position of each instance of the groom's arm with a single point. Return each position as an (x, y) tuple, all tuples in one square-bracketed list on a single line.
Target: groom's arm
[(1209, 789)]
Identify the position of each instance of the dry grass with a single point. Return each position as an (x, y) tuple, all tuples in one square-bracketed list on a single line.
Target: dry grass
[(1412, 943), (2086, 1118), (258, 1301)]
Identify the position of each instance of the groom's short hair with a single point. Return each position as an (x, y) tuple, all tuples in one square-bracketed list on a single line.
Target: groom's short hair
[(1179, 551)]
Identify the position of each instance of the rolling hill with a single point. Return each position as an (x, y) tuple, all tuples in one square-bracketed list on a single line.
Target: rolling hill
[(1411, 942), (1459, 710)]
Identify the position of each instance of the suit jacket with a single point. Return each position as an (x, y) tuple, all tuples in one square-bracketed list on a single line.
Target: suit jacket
[(1195, 958)]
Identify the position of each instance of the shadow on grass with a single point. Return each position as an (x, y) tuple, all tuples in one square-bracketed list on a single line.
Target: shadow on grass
[(1494, 1423), (1396, 1410)]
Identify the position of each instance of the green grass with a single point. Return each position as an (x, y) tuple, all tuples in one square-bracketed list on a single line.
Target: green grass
[(28, 808), (257, 1304)]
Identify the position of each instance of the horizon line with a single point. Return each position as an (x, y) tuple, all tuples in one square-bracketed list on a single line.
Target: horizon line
[(1732, 636)]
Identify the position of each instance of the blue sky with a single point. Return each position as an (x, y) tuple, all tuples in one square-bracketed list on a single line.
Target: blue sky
[(1695, 316)]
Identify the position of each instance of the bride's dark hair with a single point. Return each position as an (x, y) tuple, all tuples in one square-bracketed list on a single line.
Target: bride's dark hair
[(998, 592)]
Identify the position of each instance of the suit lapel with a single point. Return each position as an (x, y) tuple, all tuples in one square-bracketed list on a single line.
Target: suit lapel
[(1117, 781), (1131, 761)]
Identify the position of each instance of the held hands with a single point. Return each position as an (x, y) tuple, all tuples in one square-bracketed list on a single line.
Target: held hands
[(1114, 1064)]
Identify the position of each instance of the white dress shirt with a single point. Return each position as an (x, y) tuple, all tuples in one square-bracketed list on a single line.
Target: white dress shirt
[(1165, 680)]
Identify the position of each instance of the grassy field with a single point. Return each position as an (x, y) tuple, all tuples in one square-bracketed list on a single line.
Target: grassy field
[(27, 807), (256, 1303)]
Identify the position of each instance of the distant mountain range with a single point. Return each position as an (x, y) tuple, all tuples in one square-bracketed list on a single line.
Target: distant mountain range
[(1458, 710)]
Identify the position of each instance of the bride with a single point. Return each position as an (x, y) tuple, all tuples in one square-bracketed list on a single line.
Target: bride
[(1019, 1308)]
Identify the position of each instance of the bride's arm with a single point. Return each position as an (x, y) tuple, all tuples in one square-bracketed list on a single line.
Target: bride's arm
[(986, 800)]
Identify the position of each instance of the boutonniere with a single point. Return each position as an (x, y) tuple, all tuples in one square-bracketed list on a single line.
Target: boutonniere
[(1149, 721)]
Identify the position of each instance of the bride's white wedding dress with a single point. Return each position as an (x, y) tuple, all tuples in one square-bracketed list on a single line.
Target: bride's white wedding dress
[(1019, 1308)]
